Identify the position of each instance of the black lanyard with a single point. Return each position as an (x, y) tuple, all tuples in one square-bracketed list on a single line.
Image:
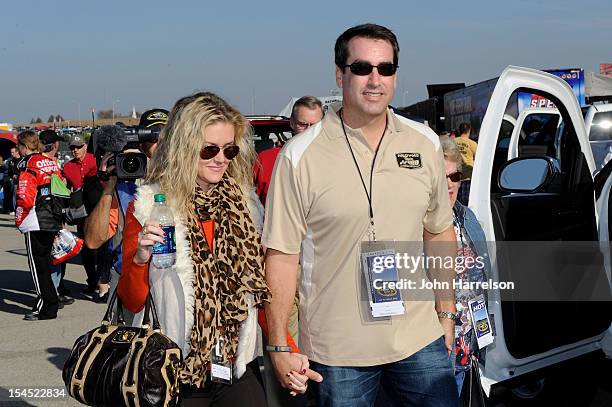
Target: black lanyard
[(365, 189)]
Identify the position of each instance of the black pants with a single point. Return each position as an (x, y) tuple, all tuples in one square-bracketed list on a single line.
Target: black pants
[(246, 391), (104, 263), (88, 257), (38, 247), (7, 204)]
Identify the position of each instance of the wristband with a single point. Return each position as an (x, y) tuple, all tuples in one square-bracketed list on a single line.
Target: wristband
[(446, 314), (277, 348)]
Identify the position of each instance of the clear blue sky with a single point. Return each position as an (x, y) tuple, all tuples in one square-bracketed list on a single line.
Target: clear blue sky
[(58, 55)]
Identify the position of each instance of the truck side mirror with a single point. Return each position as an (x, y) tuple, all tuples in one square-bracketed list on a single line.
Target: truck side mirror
[(527, 174)]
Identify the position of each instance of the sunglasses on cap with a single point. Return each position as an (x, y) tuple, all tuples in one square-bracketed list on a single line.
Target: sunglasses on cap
[(361, 68), (208, 152), (454, 177)]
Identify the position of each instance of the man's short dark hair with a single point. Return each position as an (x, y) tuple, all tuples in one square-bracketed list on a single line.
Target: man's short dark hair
[(309, 102), (464, 128), (371, 31)]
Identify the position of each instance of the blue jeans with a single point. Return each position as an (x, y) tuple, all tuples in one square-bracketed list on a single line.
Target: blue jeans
[(56, 274), (424, 379), (459, 378)]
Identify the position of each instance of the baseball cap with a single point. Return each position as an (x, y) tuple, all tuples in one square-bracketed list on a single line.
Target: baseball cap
[(154, 117), (76, 140), (49, 137)]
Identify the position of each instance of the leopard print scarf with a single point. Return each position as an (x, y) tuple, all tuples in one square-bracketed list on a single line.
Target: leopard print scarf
[(222, 285)]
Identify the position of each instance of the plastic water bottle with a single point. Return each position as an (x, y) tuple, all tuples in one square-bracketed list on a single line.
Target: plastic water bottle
[(164, 254)]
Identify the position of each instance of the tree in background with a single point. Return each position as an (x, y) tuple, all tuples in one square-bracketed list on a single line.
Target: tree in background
[(59, 118), (50, 119), (105, 114), (38, 120), (32, 121)]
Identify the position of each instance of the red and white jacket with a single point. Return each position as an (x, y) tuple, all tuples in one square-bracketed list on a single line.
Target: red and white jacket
[(35, 209)]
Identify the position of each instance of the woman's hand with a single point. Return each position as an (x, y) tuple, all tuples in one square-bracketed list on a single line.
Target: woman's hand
[(293, 371), (151, 233)]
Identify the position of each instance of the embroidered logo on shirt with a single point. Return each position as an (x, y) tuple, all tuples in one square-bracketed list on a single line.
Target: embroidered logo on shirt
[(409, 160)]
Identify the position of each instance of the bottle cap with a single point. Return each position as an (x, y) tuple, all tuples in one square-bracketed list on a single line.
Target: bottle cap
[(159, 198)]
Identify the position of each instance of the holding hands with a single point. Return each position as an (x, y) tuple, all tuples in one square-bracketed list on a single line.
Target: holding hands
[(293, 371)]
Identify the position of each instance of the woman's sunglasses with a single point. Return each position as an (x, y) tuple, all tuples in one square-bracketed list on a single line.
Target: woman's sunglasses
[(361, 68), (208, 152), (454, 177)]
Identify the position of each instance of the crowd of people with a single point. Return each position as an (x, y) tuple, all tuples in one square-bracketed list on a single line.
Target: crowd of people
[(276, 239)]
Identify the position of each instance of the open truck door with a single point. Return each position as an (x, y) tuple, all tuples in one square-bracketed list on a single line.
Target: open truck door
[(559, 206)]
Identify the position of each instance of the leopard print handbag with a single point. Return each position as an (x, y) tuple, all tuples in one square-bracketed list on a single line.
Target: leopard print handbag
[(117, 365)]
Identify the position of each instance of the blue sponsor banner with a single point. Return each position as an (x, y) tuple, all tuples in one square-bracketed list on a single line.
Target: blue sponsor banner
[(574, 77)]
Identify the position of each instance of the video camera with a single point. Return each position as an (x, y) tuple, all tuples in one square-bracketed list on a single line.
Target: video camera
[(129, 165)]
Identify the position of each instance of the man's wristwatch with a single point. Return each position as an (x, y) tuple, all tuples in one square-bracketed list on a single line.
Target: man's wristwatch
[(446, 314), (278, 348)]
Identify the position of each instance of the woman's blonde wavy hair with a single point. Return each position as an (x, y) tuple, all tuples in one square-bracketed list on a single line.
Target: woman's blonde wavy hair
[(175, 161)]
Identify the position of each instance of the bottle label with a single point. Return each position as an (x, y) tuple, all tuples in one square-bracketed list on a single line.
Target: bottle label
[(169, 245)]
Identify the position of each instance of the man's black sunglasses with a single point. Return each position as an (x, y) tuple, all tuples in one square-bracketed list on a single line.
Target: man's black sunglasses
[(208, 152), (362, 68)]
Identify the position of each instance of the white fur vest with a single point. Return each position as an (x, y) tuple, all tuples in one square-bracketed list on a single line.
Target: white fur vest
[(173, 290)]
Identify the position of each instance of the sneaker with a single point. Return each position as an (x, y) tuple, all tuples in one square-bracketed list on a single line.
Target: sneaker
[(65, 300), (35, 316)]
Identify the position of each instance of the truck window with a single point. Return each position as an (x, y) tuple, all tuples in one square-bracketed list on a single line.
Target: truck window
[(543, 133), (538, 135)]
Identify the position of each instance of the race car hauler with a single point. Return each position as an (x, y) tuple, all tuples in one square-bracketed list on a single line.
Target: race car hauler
[(469, 104)]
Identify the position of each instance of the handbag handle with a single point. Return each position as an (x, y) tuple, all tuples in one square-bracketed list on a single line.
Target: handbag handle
[(151, 310), (109, 310)]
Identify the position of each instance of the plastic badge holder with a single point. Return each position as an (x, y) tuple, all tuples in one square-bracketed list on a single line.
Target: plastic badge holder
[(65, 246), (221, 371)]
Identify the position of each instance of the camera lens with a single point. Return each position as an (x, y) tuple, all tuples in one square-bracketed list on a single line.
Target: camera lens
[(131, 164)]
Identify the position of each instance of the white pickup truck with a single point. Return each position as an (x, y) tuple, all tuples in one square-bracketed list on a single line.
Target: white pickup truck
[(556, 198)]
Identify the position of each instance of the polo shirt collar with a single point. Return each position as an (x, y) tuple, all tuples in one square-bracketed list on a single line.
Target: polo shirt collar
[(332, 125)]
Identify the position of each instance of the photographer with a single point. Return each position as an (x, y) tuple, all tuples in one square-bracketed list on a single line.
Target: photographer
[(114, 149)]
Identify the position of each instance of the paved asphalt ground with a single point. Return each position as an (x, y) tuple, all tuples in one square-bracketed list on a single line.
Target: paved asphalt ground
[(32, 353)]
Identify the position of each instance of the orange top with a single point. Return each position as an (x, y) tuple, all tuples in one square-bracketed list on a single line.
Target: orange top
[(113, 217), (133, 286)]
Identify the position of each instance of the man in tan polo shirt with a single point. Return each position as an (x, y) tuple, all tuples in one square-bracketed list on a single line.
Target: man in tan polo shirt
[(362, 173)]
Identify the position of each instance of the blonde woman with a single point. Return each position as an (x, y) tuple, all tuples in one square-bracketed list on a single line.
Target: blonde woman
[(203, 164)]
